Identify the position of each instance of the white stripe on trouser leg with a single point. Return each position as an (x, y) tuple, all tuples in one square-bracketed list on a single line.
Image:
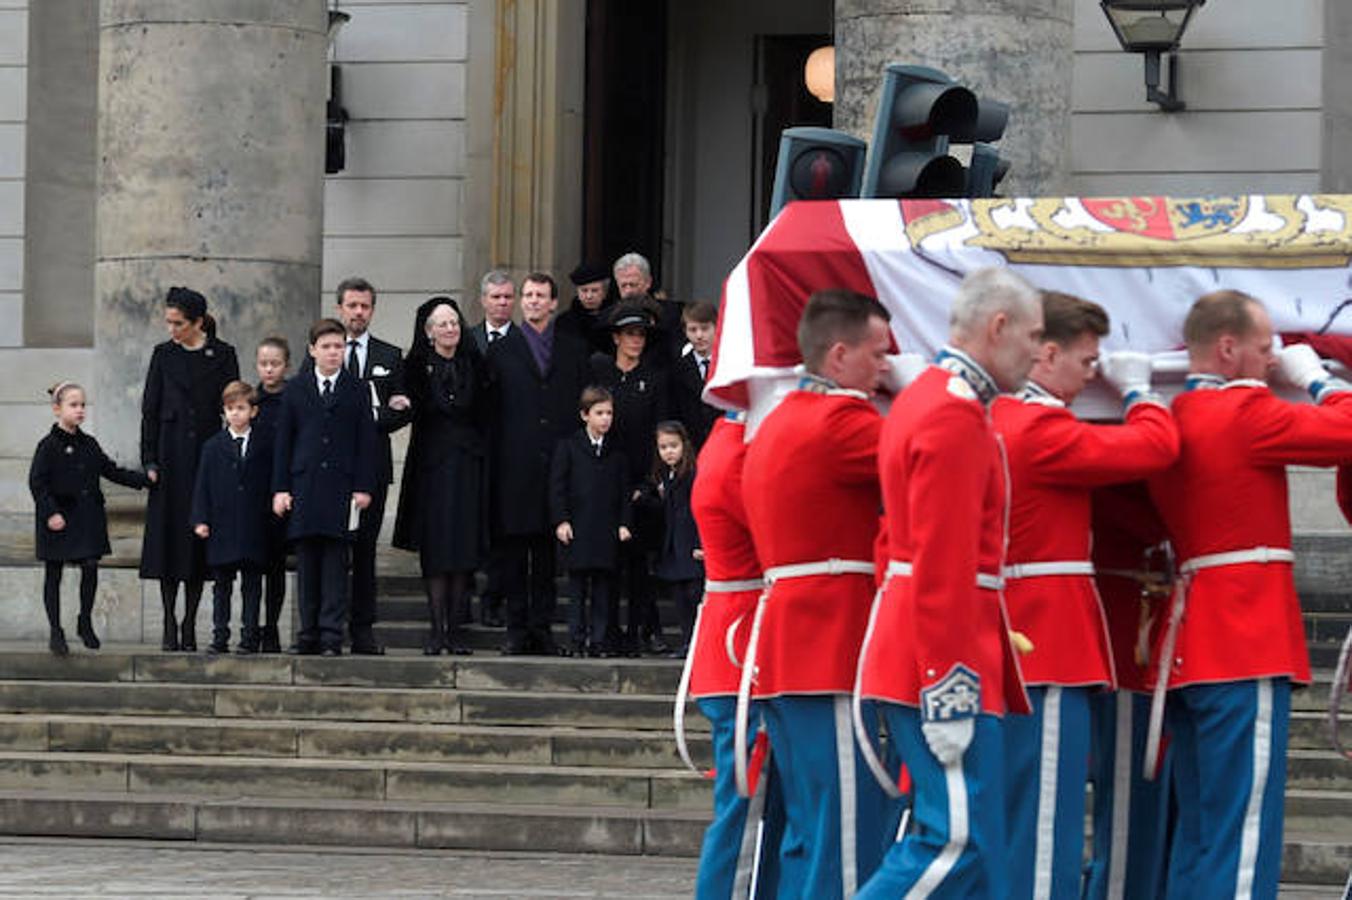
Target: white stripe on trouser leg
[(849, 878), (1253, 813), (748, 854), (1048, 764), (1121, 823), (935, 873)]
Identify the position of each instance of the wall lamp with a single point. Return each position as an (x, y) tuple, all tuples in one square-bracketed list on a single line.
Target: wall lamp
[(1153, 27)]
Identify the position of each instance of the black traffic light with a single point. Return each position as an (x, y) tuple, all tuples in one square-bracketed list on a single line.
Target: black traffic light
[(920, 113), (817, 164)]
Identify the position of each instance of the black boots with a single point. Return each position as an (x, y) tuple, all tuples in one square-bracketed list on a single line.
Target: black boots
[(85, 629), (436, 632), (57, 642)]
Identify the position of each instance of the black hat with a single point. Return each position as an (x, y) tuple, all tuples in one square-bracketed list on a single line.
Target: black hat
[(192, 304), (587, 272), (627, 313)]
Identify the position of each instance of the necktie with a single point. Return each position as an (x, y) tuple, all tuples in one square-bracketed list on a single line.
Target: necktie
[(597, 448), (703, 368), (239, 448), (353, 363), (327, 393), (493, 336)]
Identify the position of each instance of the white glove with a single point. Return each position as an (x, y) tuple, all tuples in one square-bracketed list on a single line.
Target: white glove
[(1301, 366), (948, 741), (902, 369), (1126, 371)]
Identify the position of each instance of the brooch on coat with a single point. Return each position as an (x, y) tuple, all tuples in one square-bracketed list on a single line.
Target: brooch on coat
[(70, 448), (209, 352)]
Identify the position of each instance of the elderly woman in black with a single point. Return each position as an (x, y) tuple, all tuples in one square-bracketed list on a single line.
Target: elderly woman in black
[(180, 409), (442, 511)]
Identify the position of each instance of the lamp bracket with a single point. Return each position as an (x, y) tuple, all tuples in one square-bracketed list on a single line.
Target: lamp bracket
[(1168, 101)]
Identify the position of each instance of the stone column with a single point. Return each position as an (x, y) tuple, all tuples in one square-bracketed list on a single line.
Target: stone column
[(1018, 51), (210, 175)]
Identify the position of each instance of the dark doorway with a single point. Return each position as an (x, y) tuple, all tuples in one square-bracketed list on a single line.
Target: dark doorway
[(781, 101), (625, 129)]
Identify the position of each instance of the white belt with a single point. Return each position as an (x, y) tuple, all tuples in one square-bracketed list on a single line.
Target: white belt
[(984, 580), (822, 567), (733, 587), (1236, 557), (1057, 567)]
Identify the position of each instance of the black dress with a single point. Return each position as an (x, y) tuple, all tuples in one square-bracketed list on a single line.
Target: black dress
[(442, 498), (180, 411), (642, 399), (64, 478)]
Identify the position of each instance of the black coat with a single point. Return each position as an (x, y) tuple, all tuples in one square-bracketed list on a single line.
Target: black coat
[(180, 410), (234, 498), (265, 432), (687, 387), (443, 509), (324, 454), (642, 399), (592, 494), (64, 478), (680, 537), (588, 327), (530, 411), (480, 334), (384, 368)]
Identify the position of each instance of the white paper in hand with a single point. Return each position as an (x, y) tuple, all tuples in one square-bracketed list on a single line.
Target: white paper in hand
[(353, 515)]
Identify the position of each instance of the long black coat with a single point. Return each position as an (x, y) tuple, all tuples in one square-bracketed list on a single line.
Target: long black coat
[(687, 388), (589, 327), (590, 493), (385, 369), (180, 410), (443, 509), (265, 433), (324, 454), (530, 411), (64, 478), (234, 498), (680, 538), (642, 399)]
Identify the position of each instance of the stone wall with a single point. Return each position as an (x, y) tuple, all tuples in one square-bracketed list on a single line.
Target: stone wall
[(13, 114)]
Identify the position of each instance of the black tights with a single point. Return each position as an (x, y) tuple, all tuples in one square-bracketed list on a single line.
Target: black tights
[(192, 598), (51, 589), (447, 603)]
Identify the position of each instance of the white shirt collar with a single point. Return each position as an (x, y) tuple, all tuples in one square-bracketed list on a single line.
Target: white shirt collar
[(362, 341), (320, 379)]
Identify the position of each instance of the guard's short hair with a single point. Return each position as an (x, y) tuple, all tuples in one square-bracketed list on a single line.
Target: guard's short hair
[(239, 391), (1218, 313), (986, 292), (1065, 317), (326, 326), (492, 278), (632, 260), (542, 278), (358, 284), (833, 316), (702, 311), (593, 394)]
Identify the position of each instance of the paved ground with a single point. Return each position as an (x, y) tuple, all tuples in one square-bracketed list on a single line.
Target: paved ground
[(42, 868)]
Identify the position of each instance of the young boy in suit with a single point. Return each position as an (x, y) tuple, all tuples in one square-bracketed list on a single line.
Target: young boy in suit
[(230, 512), (324, 470), (700, 320)]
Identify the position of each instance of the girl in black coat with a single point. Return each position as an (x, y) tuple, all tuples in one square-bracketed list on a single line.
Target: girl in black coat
[(272, 361), (180, 410), (442, 510), (680, 565), (71, 523)]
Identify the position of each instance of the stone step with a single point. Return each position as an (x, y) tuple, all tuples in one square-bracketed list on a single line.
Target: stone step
[(412, 633), (361, 741), (1327, 627), (352, 823), (445, 782), (412, 607), (396, 670), (449, 707)]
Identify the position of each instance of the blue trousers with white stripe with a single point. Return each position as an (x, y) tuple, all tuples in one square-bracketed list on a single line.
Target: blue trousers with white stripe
[(1046, 768), (1228, 741), (840, 822), (1131, 815), (955, 845), (737, 854)]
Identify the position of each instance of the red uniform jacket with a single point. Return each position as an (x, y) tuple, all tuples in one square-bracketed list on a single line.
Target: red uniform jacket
[(810, 486), (729, 555), (944, 497), (1054, 461), (1227, 492), (1126, 527)]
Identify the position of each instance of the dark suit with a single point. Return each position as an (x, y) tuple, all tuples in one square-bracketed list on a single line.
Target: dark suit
[(490, 603), (530, 411), (384, 368), (325, 452), (687, 385)]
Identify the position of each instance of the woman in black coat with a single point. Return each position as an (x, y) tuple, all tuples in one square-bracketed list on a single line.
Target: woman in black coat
[(180, 410), (442, 509)]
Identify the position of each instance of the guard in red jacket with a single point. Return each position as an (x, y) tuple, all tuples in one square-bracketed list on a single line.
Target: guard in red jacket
[(1228, 663), (810, 486), (939, 655), (734, 847), (1133, 568), (1055, 460)]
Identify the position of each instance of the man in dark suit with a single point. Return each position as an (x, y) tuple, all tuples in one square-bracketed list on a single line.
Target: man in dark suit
[(381, 366), (497, 296), (634, 282), (537, 375), (324, 473), (692, 370)]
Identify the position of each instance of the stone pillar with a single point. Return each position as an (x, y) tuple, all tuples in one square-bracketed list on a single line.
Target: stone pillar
[(210, 175), (1018, 51)]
